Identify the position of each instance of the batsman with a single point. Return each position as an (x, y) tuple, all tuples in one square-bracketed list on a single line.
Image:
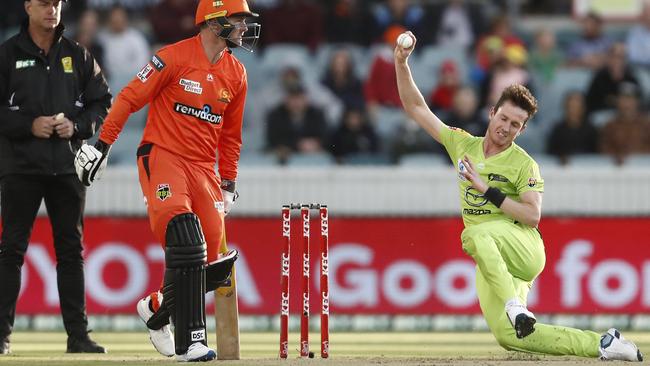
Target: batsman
[(500, 190), (196, 90)]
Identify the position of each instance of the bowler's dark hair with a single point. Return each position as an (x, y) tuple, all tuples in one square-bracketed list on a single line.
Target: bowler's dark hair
[(520, 96)]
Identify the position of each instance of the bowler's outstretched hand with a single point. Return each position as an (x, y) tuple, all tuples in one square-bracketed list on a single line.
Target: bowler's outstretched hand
[(401, 53)]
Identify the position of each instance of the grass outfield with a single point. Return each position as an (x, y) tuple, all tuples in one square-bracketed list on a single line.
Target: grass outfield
[(259, 349)]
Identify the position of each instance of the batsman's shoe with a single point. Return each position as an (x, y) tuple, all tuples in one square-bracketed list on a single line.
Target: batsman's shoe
[(614, 347), (197, 352), (162, 339), (521, 318)]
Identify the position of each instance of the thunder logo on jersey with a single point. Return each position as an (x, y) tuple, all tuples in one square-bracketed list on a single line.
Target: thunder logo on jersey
[(204, 114)]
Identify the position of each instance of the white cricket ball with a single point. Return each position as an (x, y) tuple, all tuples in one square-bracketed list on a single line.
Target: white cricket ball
[(405, 41), (59, 116)]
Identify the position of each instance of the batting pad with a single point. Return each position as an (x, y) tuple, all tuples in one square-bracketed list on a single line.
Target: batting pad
[(184, 288)]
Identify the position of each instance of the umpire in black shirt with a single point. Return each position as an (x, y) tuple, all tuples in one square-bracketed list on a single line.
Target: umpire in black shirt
[(52, 96)]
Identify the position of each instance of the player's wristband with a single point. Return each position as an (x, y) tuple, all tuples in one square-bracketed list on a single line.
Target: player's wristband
[(495, 196)]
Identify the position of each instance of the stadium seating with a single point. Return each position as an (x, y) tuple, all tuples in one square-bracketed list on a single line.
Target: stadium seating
[(591, 161), (257, 159), (427, 61), (551, 96), (638, 160), (278, 56), (311, 160), (424, 160), (124, 149), (359, 54), (600, 118), (367, 159), (546, 161)]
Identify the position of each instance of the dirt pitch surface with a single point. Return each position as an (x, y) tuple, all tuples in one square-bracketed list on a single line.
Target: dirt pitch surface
[(261, 349)]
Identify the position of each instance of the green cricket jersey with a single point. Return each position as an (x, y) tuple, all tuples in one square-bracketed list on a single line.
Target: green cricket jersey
[(512, 171)]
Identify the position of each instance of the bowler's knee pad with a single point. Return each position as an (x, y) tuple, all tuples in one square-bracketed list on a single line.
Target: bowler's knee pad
[(184, 289)]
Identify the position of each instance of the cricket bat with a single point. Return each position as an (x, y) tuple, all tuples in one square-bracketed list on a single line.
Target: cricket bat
[(227, 316)]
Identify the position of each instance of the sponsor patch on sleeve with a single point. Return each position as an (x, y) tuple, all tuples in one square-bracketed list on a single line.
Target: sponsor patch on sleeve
[(458, 130), (145, 73), (157, 62)]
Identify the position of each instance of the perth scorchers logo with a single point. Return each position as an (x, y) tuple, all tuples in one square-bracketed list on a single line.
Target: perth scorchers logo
[(224, 95)]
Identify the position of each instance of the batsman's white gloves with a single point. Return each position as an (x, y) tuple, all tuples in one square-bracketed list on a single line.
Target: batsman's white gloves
[(229, 195), (90, 162)]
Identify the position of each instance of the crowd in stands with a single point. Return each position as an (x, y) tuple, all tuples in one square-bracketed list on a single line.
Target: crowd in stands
[(322, 80)]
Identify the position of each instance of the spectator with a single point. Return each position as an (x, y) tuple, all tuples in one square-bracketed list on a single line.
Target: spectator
[(381, 86), (173, 20), (545, 57), (509, 70), (274, 90), (130, 5), (409, 138), (441, 98), (591, 49), (457, 23), (629, 131), (465, 112), (293, 21), (490, 46), (602, 92), (638, 39), (341, 79), (347, 22), (87, 34), (405, 13), (295, 125), (574, 133), (354, 135), (129, 50), (263, 4)]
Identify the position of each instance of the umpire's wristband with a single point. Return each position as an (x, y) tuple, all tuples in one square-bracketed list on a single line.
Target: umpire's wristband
[(495, 196)]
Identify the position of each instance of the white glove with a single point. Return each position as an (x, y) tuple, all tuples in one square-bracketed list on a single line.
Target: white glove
[(90, 162), (229, 195)]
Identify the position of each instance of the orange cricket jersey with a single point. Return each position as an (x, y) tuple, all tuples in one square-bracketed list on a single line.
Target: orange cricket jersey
[(196, 106)]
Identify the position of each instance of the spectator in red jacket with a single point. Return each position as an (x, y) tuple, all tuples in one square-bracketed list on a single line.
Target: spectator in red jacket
[(381, 86), (442, 96)]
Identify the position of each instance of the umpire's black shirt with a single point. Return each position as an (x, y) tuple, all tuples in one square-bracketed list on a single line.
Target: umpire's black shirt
[(34, 84)]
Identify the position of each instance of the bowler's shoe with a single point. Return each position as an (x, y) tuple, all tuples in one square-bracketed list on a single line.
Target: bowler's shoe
[(83, 344)]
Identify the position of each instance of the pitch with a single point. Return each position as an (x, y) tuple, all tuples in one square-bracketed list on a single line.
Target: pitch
[(259, 349)]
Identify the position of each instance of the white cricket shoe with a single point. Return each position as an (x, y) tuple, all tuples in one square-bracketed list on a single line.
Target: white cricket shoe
[(521, 318), (197, 352), (162, 339), (614, 347)]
